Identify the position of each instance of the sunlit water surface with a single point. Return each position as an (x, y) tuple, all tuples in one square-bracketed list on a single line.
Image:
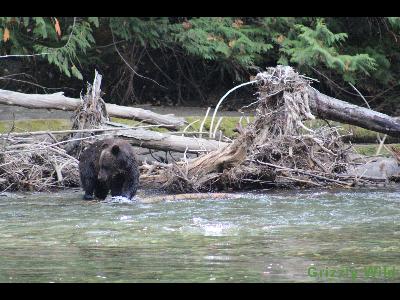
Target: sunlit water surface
[(261, 237)]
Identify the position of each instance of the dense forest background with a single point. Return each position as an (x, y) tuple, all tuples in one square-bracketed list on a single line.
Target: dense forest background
[(195, 60)]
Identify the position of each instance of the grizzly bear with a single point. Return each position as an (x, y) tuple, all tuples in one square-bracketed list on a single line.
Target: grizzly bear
[(109, 164)]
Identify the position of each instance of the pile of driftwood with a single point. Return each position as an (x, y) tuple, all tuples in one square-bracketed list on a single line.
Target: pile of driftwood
[(276, 149), (29, 164)]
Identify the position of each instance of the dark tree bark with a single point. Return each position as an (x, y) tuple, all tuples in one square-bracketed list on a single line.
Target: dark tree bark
[(326, 107)]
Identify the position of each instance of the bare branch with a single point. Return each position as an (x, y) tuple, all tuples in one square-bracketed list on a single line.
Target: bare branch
[(130, 67)]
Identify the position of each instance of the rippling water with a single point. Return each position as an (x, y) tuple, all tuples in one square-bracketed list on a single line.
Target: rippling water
[(260, 237)]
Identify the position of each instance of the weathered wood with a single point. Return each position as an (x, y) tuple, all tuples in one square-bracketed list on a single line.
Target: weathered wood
[(138, 136), (197, 196), (231, 155), (333, 109), (49, 101), (204, 168), (61, 102), (321, 105), (167, 142)]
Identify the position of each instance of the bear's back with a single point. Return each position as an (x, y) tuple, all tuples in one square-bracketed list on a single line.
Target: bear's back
[(91, 154), (109, 164)]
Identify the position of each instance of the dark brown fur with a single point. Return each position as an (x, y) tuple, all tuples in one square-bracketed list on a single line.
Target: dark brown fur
[(106, 165)]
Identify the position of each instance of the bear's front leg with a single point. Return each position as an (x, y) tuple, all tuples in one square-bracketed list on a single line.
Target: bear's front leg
[(87, 175), (116, 186), (130, 185), (88, 186), (88, 196), (101, 190), (124, 186)]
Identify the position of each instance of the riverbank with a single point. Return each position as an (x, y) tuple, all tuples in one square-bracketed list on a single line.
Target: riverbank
[(368, 165)]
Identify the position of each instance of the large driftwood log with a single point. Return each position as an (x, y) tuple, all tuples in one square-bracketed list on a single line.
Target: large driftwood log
[(197, 196), (168, 142), (143, 138), (61, 102), (333, 109)]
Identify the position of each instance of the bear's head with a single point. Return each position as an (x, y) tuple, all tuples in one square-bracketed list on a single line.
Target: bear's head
[(111, 161)]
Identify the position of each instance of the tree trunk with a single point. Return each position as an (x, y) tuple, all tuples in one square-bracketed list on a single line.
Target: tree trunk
[(333, 109), (197, 196), (168, 142), (59, 101)]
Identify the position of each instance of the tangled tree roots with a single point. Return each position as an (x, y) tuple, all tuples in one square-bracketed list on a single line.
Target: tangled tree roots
[(91, 114), (277, 149)]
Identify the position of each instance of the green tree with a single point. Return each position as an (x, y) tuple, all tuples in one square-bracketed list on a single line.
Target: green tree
[(195, 57), (59, 40)]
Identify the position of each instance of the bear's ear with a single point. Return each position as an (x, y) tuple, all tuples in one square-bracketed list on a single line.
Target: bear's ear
[(104, 146), (115, 149)]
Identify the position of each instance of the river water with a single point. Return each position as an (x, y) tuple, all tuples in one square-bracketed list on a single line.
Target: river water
[(287, 236)]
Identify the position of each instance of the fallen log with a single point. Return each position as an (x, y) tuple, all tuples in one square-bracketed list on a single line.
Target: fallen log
[(197, 196), (167, 142), (61, 102), (138, 136), (326, 107)]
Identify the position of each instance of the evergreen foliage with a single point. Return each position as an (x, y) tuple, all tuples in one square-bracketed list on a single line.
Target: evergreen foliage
[(43, 36), (319, 46), (222, 39), (192, 56)]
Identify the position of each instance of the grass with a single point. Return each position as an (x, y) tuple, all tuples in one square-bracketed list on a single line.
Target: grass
[(55, 124), (136, 123), (360, 135), (35, 125), (228, 124), (370, 149)]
